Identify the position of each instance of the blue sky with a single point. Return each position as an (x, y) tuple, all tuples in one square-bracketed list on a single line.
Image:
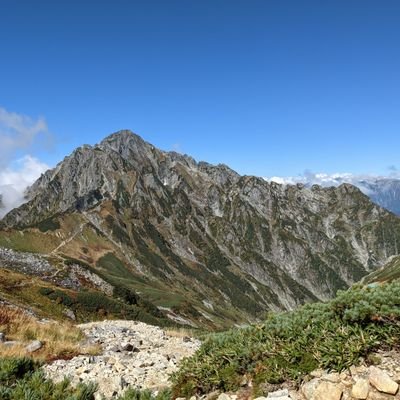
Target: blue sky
[(271, 88)]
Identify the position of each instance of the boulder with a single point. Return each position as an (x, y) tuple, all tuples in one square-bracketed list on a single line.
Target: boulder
[(327, 391), (360, 389), (34, 346), (382, 381)]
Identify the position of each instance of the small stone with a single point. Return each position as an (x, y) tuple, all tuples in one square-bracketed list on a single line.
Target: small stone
[(82, 370), (34, 346), (11, 343), (333, 377), (327, 391), (308, 388), (126, 347), (2, 337), (244, 381), (382, 381), (317, 373), (360, 389), (279, 395), (353, 370), (70, 314), (224, 396)]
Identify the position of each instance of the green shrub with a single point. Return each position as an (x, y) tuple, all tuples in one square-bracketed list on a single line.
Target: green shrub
[(61, 297), (15, 368), (134, 394), (94, 301), (45, 291), (20, 379), (49, 224), (332, 335)]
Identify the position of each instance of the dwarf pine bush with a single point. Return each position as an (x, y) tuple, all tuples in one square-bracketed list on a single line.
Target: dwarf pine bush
[(20, 379), (134, 394), (332, 335)]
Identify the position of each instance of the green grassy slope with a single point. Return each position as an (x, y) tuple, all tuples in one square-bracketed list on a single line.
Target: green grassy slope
[(388, 272)]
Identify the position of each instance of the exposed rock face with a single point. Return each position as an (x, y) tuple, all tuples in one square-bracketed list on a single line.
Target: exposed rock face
[(205, 232), (134, 354)]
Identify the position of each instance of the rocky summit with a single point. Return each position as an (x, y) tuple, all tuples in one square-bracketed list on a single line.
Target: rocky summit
[(206, 246)]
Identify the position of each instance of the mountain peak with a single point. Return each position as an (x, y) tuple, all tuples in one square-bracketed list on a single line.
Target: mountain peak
[(123, 136), (128, 145)]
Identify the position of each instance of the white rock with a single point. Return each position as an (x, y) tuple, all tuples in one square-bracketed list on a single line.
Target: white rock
[(279, 395), (34, 346), (382, 381), (360, 389), (224, 396)]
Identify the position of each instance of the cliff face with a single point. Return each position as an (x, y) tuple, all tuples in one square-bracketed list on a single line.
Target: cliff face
[(226, 245)]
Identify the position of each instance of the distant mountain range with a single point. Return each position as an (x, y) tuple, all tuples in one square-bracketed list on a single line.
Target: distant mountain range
[(202, 243), (383, 191)]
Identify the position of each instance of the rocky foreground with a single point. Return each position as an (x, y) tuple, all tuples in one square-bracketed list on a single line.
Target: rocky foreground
[(375, 382), (134, 354), (143, 356)]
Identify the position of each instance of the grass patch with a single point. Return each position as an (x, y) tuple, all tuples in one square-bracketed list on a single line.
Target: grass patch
[(29, 241), (60, 340), (388, 272), (112, 265), (332, 335)]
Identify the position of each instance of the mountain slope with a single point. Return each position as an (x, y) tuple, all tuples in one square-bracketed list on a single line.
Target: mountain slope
[(384, 191), (197, 239), (389, 272)]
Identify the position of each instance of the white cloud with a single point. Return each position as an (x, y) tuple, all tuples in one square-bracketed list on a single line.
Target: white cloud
[(310, 178), (19, 134), (15, 179)]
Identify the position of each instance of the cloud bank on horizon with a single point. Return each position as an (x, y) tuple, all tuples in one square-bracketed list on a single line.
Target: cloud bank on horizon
[(310, 178), (19, 134)]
